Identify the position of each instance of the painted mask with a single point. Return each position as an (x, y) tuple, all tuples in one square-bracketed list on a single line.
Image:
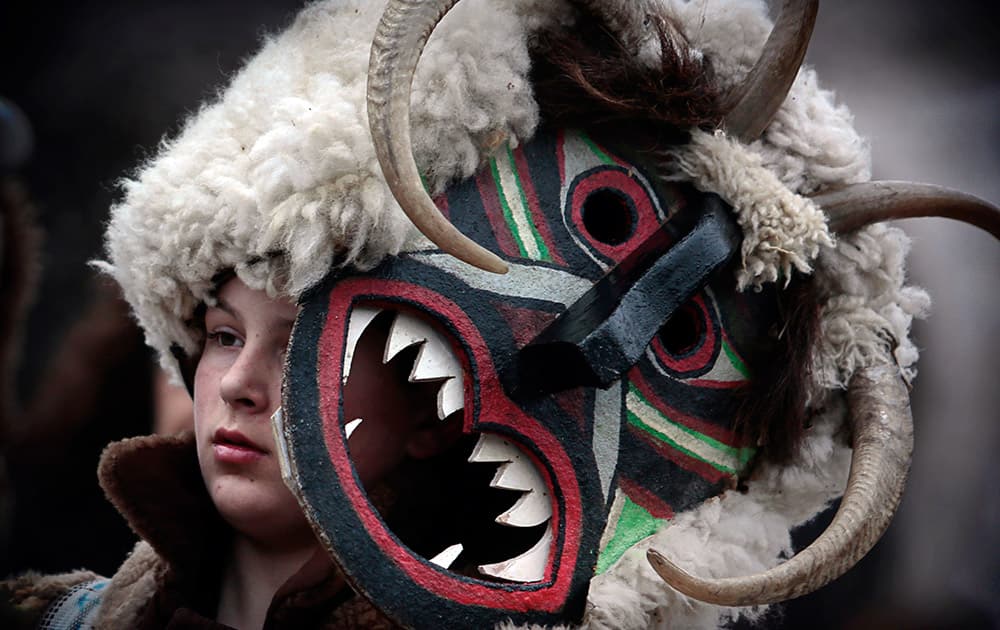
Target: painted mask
[(579, 400)]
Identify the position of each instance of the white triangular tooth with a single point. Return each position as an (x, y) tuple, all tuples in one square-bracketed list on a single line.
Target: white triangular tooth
[(493, 448), (519, 474), (435, 362), (451, 397), (358, 321), (528, 567), (533, 508), (448, 556), (350, 427), (405, 331)]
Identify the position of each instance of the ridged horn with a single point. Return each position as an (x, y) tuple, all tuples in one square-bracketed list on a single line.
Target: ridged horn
[(399, 40), (751, 105), (879, 407), (858, 205)]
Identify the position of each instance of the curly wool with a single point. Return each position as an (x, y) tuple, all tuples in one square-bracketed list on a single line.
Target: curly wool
[(32, 592), (781, 230), (866, 306), (811, 143), (278, 178)]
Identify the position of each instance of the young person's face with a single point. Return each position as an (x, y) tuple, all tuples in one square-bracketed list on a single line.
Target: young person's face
[(237, 388)]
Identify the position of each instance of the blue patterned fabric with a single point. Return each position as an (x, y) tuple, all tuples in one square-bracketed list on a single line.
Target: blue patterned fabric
[(76, 609)]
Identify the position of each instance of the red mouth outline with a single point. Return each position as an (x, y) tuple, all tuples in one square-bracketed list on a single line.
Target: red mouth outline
[(548, 595)]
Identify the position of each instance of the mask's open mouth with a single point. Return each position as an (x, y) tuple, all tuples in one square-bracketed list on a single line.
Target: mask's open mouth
[(403, 416)]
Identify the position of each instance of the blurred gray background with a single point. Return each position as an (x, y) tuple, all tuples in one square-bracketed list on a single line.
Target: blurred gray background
[(923, 82), (102, 82)]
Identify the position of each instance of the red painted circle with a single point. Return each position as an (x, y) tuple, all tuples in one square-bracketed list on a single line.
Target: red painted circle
[(700, 356), (633, 194)]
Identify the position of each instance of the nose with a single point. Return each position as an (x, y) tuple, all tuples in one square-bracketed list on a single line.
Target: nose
[(245, 385), (604, 333)]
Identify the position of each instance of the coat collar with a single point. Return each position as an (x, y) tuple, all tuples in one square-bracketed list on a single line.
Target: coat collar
[(155, 484)]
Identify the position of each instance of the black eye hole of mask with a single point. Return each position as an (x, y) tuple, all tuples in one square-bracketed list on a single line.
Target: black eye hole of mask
[(605, 332), (609, 217), (682, 332)]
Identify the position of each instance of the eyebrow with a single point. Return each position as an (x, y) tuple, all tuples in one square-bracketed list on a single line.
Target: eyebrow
[(223, 305)]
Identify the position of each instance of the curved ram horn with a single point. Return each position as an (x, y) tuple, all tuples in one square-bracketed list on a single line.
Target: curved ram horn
[(879, 407), (402, 32), (857, 205), (753, 104)]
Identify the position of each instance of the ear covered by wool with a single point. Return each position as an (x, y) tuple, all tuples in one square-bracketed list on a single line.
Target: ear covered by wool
[(782, 232)]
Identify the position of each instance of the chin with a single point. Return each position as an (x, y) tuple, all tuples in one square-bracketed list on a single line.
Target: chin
[(255, 507)]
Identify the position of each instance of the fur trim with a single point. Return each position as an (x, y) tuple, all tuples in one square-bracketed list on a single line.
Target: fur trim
[(32, 593), (156, 485), (866, 306), (131, 589), (278, 179), (781, 230)]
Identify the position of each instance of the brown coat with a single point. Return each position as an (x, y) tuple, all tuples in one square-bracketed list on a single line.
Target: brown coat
[(171, 578)]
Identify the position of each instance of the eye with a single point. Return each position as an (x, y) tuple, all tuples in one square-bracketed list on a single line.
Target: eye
[(693, 347), (225, 339), (610, 210), (684, 332), (608, 217), (688, 344)]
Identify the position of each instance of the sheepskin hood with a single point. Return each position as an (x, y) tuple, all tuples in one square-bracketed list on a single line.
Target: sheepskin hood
[(278, 180)]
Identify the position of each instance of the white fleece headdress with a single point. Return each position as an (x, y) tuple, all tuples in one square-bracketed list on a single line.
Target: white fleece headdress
[(277, 179)]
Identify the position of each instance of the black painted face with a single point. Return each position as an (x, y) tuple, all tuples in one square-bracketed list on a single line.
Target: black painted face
[(574, 473)]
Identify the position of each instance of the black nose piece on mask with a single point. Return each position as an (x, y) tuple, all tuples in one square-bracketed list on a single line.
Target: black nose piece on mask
[(606, 331)]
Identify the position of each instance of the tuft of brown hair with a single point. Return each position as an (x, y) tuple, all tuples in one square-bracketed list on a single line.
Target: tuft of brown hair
[(588, 79), (773, 412)]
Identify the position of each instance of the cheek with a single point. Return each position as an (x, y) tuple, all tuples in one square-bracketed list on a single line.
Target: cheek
[(206, 390), (204, 411), (258, 504)]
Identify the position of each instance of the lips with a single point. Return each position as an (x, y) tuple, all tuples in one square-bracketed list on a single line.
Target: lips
[(231, 446)]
